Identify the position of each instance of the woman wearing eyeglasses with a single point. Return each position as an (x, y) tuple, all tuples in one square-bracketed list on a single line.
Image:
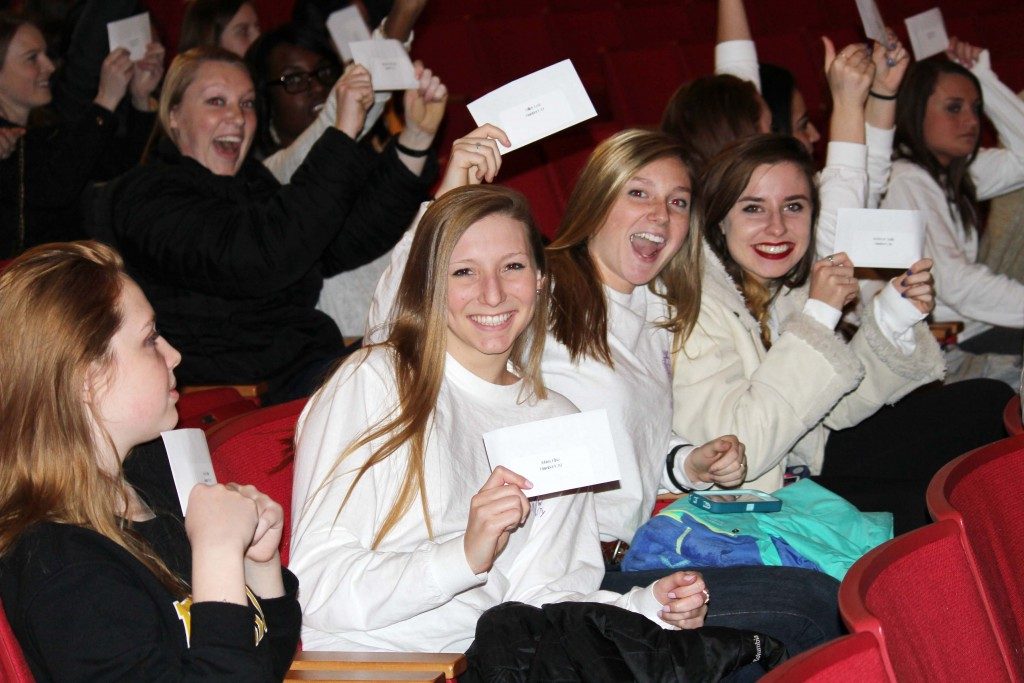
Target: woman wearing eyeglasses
[(232, 260)]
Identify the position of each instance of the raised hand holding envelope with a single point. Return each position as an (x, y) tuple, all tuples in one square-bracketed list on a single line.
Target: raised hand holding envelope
[(388, 63), (557, 454), (880, 238), (535, 106), (132, 33)]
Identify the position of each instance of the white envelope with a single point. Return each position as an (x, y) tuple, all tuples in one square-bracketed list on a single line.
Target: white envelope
[(189, 456), (874, 26), (347, 26), (535, 106), (927, 33), (132, 33), (387, 61), (880, 238), (557, 454)]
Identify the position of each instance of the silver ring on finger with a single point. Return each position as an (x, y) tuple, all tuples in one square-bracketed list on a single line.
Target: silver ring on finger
[(831, 259), (707, 596), (477, 146)]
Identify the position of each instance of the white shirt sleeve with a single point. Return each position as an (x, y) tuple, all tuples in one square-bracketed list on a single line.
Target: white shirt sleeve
[(843, 183), (879, 142), (346, 585), (998, 171), (379, 315), (823, 313), (969, 288), (896, 318), (738, 58)]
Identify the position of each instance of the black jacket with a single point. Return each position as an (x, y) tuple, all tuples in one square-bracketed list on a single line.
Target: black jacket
[(233, 265), (84, 609), (59, 162)]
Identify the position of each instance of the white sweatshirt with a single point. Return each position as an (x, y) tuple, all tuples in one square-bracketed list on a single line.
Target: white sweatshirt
[(413, 592), (636, 391), (965, 289)]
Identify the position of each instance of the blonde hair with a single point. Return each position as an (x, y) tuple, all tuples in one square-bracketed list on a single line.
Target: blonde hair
[(60, 307), (419, 332), (579, 315)]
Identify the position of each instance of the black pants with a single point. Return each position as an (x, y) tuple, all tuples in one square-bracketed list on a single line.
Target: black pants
[(997, 340), (886, 462)]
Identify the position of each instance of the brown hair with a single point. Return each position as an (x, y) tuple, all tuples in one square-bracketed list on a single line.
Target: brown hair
[(712, 112), (60, 307), (10, 22), (722, 184), (579, 313), (911, 107), (205, 21), (418, 335)]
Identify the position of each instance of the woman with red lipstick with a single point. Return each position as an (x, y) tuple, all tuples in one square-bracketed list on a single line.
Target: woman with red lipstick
[(940, 171), (98, 579), (234, 261), (763, 360)]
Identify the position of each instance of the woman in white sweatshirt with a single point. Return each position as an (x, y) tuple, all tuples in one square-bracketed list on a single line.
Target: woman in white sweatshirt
[(403, 535), (940, 171)]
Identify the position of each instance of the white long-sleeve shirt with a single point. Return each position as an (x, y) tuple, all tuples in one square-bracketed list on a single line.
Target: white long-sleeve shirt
[(965, 289), (636, 391), (855, 175), (413, 592)]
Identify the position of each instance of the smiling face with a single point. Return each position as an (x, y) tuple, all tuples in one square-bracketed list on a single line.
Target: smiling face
[(292, 113), (768, 229), (952, 119), (134, 394), (25, 75), (215, 121), (645, 227), (492, 291), (242, 31)]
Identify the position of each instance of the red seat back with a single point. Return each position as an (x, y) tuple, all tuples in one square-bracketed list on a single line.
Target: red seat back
[(203, 409), (920, 597), (851, 659), (13, 667), (258, 448), (1012, 418), (980, 493)]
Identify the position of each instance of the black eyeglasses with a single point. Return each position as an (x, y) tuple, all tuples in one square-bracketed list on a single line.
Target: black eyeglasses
[(302, 81)]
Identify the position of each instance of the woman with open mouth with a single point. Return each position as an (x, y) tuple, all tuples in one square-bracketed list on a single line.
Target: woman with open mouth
[(232, 260)]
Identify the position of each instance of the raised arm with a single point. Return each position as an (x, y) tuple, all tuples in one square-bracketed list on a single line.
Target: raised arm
[(735, 53)]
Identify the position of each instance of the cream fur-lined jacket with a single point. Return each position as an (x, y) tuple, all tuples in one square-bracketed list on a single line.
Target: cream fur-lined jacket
[(783, 402)]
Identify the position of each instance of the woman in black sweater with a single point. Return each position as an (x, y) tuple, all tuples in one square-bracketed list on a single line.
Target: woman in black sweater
[(100, 580), (232, 260)]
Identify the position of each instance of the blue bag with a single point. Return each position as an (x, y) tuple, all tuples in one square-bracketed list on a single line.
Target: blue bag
[(815, 529)]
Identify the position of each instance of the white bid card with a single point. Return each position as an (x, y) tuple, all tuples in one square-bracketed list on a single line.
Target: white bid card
[(388, 63), (557, 454), (927, 33), (132, 33), (535, 106), (189, 457), (880, 238), (874, 26), (347, 26)]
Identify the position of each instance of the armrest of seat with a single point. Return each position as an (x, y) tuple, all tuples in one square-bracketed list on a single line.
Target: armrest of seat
[(451, 664), (945, 332), (353, 676)]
